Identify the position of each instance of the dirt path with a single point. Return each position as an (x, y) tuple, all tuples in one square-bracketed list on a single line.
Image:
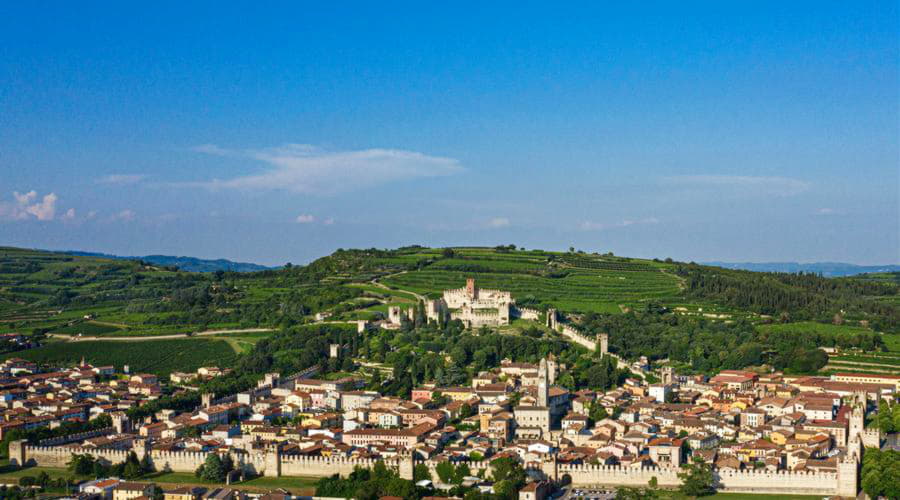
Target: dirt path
[(141, 338), (375, 282)]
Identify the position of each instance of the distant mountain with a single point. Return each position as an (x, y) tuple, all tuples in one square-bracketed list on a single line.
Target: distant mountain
[(827, 269), (190, 264)]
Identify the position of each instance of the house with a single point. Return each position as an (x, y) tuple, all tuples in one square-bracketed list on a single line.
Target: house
[(99, 487), (130, 491), (184, 493), (537, 490)]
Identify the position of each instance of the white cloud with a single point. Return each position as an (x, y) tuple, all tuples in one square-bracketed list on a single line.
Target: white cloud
[(121, 179), (780, 186), (824, 212), (303, 168), (329, 221), (600, 226), (27, 205), (498, 222), (69, 215), (126, 215), (305, 219)]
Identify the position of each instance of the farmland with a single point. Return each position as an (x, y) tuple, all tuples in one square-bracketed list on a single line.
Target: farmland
[(52, 295), (152, 356), (577, 283)]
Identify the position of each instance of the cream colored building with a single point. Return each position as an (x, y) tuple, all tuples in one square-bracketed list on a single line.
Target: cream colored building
[(473, 306)]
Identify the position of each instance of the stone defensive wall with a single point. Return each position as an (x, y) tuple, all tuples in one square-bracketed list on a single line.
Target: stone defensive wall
[(746, 481), (273, 464), (527, 313), (73, 438), (871, 438)]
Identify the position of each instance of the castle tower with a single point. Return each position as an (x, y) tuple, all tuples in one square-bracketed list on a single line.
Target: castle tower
[(361, 326), (394, 314), (471, 291), (206, 399), (604, 343), (857, 423), (667, 375), (848, 477), (543, 398), (334, 350), (552, 369), (551, 319), (120, 421)]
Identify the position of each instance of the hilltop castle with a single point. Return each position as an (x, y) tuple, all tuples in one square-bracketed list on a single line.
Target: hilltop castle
[(474, 306)]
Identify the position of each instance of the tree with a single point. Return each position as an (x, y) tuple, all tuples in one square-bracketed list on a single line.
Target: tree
[(421, 473), (132, 467), (445, 472), (462, 471), (881, 473), (508, 469), (81, 465), (147, 465), (697, 479), (597, 412), (213, 469), (884, 419)]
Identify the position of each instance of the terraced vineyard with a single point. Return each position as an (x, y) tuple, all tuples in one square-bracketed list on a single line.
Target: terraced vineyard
[(865, 361), (152, 356), (571, 282)]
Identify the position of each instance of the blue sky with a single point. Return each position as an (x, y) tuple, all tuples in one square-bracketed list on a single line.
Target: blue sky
[(732, 131)]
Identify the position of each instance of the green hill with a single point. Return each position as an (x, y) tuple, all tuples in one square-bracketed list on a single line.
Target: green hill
[(705, 316)]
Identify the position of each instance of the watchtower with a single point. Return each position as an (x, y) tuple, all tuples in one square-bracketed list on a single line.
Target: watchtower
[(604, 343)]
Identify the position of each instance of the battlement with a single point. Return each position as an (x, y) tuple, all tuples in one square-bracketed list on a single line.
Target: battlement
[(273, 463), (81, 436)]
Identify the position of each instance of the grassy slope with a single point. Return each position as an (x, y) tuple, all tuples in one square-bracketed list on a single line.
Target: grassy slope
[(570, 282), (566, 281), (30, 279)]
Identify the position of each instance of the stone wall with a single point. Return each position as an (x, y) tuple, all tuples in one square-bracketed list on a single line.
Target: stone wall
[(576, 336), (526, 313), (272, 463), (72, 438), (747, 481)]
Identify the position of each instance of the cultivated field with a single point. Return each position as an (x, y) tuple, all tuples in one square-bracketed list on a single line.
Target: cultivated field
[(570, 282), (152, 356)]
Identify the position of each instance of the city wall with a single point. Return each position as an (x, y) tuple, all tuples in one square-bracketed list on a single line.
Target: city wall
[(273, 464), (73, 438), (747, 481)]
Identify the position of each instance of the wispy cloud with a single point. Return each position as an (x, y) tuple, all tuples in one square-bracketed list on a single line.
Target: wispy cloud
[(303, 168), (27, 205), (126, 215), (498, 222), (600, 226), (779, 186), (825, 212), (121, 179), (305, 219)]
